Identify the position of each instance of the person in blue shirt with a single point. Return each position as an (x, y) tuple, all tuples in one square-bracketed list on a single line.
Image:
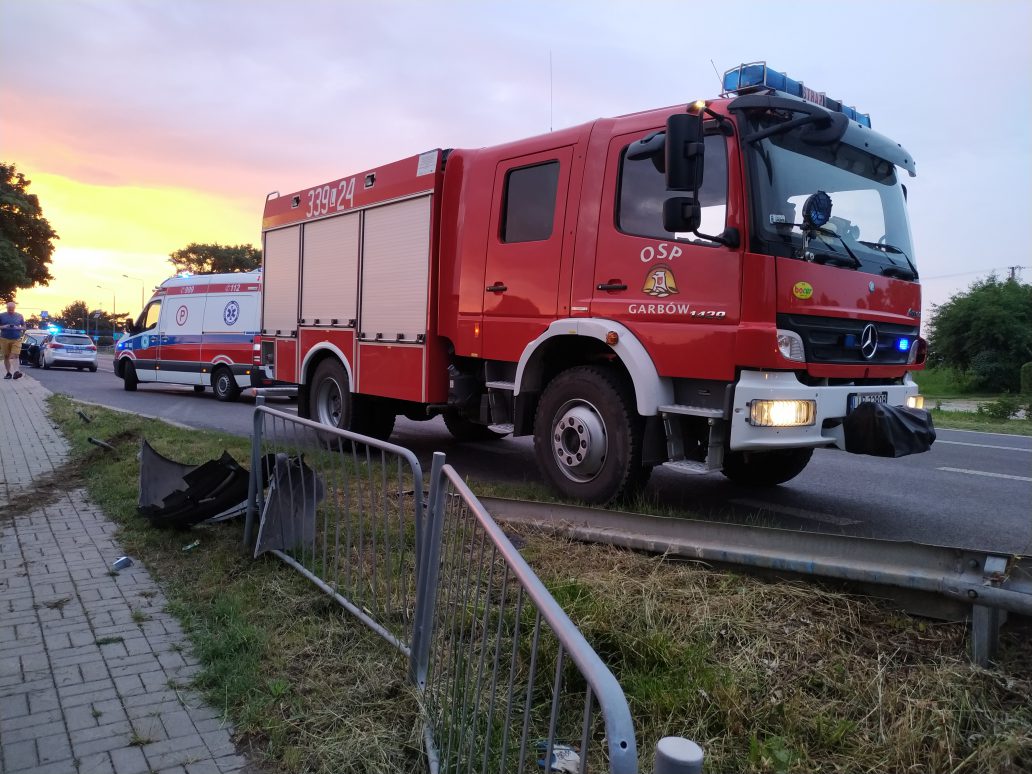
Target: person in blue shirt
[(12, 326)]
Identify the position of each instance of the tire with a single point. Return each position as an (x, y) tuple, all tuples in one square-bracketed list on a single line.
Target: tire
[(464, 430), (224, 385), (93, 369), (129, 379), (46, 365), (330, 402), (588, 436), (765, 468)]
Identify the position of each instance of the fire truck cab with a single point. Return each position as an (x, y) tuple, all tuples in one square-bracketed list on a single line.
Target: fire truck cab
[(719, 286)]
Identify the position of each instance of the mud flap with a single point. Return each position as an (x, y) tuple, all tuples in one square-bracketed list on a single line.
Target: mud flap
[(178, 496), (288, 519), (881, 430)]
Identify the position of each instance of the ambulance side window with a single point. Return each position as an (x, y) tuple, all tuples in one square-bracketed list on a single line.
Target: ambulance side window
[(528, 206), (642, 191), (149, 318)]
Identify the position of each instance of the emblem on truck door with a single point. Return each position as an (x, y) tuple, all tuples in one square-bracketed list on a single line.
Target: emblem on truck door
[(660, 282), (869, 342)]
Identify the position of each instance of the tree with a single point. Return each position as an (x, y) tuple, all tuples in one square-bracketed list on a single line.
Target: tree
[(26, 238), (985, 332), (205, 259)]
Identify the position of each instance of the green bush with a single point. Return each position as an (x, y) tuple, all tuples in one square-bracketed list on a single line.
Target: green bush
[(1004, 408), (1026, 379)]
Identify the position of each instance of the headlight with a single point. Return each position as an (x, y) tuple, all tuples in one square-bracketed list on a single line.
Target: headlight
[(782, 413), (915, 401), (791, 345)]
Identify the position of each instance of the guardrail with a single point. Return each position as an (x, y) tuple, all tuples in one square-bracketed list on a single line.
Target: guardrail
[(507, 681), (936, 581)]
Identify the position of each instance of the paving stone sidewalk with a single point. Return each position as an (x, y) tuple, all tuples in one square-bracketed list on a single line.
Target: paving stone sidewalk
[(92, 670)]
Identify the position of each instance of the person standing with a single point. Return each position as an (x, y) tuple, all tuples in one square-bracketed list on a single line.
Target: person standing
[(12, 326)]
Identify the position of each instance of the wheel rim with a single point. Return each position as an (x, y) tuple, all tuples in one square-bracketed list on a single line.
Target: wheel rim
[(329, 403), (579, 441), (222, 384)]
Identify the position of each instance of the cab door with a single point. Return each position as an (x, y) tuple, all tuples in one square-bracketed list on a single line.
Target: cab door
[(679, 293), (524, 250), (144, 343)]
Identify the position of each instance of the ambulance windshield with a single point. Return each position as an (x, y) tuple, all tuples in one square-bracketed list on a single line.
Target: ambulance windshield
[(868, 230)]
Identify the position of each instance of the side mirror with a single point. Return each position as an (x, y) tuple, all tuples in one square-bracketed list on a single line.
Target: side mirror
[(685, 150), (681, 214)]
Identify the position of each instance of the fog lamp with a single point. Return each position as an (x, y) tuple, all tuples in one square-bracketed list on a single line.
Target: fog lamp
[(782, 413), (915, 401)]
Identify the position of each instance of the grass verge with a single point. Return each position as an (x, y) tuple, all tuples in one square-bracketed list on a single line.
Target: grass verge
[(969, 420), (768, 677)]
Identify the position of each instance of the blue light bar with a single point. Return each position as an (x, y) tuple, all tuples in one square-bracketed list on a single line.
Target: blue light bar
[(756, 75)]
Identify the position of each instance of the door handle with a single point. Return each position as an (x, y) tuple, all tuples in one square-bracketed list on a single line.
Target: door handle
[(611, 286), (498, 287)]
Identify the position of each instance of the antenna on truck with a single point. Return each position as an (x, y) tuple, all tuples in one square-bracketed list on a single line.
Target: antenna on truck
[(716, 72)]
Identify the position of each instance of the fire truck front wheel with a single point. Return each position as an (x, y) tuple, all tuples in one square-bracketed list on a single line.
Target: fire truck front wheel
[(588, 436), (766, 468)]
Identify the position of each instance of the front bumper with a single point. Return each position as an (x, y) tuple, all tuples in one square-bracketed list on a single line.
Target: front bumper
[(831, 410)]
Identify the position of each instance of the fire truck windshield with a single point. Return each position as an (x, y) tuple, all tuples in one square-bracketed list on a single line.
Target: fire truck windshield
[(868, 230)]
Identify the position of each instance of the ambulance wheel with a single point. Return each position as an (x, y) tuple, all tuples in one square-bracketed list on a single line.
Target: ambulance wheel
[(588, 436), (224, 385), (129, 380), (766, 468), (464, 430)]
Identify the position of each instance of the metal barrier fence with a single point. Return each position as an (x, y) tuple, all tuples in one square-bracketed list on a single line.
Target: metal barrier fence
[(344, 510), (508, 680)]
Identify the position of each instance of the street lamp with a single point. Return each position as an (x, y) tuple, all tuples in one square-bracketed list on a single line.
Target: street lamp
[(141, 287)]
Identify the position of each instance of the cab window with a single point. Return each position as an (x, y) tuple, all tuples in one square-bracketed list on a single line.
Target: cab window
[(149, 318), (529, 204), (642, 192)]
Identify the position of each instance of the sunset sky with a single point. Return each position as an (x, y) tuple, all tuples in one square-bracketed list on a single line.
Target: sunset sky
[(148, 124)]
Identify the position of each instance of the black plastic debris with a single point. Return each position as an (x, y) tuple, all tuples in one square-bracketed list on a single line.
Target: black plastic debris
[(288, 518), (178, 496)]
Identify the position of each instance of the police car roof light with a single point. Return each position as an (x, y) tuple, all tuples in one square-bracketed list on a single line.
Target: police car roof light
[(755, 76)]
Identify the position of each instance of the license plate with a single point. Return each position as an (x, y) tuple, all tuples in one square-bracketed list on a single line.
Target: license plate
[(856, 398)]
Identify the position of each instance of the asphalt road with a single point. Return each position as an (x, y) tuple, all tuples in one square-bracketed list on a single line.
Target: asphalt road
[(972, 490)]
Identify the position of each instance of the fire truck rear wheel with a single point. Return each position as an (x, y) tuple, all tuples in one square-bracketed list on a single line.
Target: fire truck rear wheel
[(224, 385), (588, 436), (766, 468), (329, 399), (129, 379), (464, 430)]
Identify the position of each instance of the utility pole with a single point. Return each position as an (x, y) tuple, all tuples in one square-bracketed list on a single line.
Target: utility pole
[(1013, 272)]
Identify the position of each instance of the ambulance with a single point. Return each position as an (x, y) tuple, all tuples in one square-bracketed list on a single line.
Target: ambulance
[(196, 330)]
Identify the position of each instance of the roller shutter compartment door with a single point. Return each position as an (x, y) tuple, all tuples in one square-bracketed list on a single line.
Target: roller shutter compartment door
[(329, 287), (280, 281)]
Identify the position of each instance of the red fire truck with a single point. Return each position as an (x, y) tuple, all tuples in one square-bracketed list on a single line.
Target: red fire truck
[(720, 286)]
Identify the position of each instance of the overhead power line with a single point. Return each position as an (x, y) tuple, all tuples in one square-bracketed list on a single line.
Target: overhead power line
[(1011, 269)]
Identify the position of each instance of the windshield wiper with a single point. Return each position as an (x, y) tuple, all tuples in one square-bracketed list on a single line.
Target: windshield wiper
[(885, 247), (826, 257)]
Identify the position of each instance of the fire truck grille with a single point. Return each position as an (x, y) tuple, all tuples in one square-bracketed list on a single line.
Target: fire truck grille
[(837, 340)]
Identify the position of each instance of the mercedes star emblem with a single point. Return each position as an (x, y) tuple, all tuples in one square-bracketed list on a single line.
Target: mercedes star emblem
[(869, 342)]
